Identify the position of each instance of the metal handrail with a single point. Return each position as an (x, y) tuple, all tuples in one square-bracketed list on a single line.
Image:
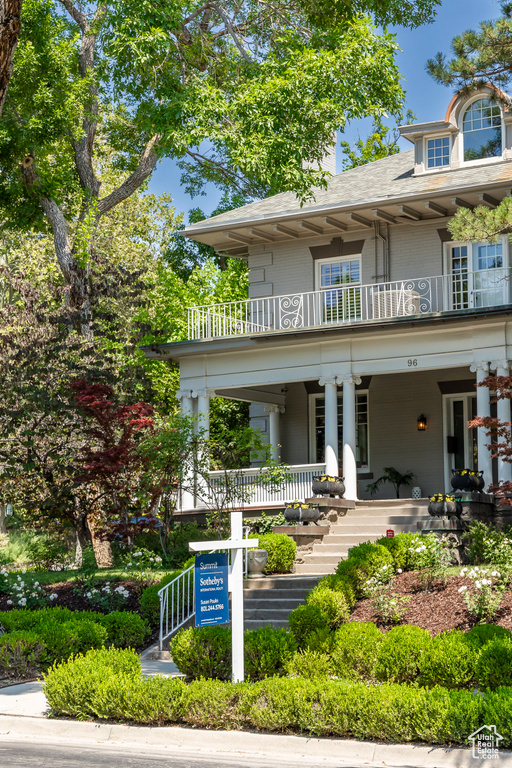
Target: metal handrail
[(182, 599)]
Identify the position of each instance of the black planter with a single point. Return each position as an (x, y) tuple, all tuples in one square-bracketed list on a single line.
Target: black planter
[(300, 515), (477, 481), (445, 508), (461, 482), (331, 486)]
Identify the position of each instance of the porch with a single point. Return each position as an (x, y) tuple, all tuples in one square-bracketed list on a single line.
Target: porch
[(352, 304)]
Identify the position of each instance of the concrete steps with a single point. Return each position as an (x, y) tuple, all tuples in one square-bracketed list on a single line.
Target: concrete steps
[(270, 600), (368, 521)]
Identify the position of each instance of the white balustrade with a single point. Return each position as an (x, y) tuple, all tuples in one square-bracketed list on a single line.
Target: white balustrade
[(349, 304)]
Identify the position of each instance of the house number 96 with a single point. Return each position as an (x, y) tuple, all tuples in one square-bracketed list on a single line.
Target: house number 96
[(412, 362)]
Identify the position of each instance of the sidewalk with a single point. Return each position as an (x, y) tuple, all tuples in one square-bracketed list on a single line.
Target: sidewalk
[(23, 713)]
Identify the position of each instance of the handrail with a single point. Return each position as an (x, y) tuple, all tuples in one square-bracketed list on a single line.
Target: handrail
[(183, 599), (347, 304)]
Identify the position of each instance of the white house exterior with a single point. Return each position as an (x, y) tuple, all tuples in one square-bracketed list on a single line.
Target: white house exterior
[(364, 314)]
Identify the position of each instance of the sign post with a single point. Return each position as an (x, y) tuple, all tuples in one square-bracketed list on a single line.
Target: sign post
[(236, 587)]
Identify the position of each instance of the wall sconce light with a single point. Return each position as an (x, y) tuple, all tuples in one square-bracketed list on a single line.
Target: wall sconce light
[(422, 423)]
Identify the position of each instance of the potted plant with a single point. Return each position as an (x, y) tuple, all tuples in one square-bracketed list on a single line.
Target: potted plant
[(394, 477), (467, 480), (444, 505), (328, 485), (301, 512)]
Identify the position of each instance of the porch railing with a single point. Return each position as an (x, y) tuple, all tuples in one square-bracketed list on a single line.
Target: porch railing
[(349, 304)]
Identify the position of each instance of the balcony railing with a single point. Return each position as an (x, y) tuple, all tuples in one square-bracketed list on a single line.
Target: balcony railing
[(350, 304)]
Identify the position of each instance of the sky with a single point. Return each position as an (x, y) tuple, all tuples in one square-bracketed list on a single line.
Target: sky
[(427, 99)]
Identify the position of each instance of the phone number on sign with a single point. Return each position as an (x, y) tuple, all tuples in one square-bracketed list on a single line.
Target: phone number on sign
[(217, 607)]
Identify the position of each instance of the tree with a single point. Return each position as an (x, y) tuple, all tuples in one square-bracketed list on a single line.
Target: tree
[(265, 85), (10, 25), (481, 58), (382, 142)]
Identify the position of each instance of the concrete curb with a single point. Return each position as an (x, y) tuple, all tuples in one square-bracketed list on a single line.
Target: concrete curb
[(301, 749)]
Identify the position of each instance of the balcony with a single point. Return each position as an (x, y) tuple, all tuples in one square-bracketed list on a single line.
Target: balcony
[(347, 305)]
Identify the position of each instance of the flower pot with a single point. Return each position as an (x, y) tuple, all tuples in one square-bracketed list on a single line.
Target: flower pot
[(302, 513), (328, 485), (461, 480), (256, 562), (477, 481), (444, 508)]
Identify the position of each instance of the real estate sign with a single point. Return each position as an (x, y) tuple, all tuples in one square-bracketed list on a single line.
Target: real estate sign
[(211, 589)]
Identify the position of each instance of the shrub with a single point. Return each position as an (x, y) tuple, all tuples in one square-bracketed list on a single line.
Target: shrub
[(332, 605), (210, 704), (398, 548), (400, 654), (281, 552), (152, 701), (342, 584), (483, 633), (267, 650), (304, 620), (309, 664), (62, 640), (450, 661), (150, 602), (355, 650), (71, 686), (367, 559), (494, 666), (124, 629), (487, 544), (203, 652), (265, 523), (20, 654)]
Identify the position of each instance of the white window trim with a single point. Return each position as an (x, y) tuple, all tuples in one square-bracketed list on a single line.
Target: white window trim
[(483, 160), (437, 168), (336, 260), (312, 398), (459, 243)]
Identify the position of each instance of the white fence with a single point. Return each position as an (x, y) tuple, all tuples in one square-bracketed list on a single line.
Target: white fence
[(349, 304)]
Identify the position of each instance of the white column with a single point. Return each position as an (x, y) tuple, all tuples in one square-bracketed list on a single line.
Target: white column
[(203, 410), (349, 434), (202, 426), (331, 425), (273, 412), (503, 413), (483, 409), (187, 500), (237, 600)]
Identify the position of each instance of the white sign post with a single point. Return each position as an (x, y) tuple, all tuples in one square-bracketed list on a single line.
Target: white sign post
[(237, 543)]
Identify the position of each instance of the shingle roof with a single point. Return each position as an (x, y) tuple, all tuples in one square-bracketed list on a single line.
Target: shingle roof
[(380, 181)]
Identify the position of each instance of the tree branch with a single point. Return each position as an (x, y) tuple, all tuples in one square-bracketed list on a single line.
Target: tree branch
[(232, 32), (77, 16), (144, 169)]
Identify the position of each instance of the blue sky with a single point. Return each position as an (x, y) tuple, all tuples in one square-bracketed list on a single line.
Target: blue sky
[(427, 99)]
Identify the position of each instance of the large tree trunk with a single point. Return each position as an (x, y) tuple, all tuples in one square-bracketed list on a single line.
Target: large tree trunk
[(102, 549), (83, 539), (10, 24)]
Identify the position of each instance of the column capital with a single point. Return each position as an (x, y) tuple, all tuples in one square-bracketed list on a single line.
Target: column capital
[(183, 393), (327, 380), (474, 367), (496, 364), (205, 392), (271, 408), (348, 377)]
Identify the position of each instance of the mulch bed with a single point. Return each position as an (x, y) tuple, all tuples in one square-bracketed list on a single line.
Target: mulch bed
[(438, 610), (70, 597)]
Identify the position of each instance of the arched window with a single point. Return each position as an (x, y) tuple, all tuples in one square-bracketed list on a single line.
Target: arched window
[(482, 130)]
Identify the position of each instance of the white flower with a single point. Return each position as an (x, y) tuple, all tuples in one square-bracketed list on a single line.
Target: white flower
[(496, 573), (478, 584), (9, 602), (88, 594), (24, 570), (462, 589), (463, 571), (158, 559), (53, 596), (36, 583), (399, 570), (22, 601)]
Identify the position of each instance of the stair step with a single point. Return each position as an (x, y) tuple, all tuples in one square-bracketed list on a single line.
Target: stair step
[(290, 581), (386, 519), (319, 557), (266, 598), (280, 614), (257, 623), (317, 568)]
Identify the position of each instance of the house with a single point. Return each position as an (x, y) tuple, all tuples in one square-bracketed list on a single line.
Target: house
[(367, 327)]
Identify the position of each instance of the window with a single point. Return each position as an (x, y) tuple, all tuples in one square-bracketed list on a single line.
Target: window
[(318, 415), (438, 152), (339, 280), (481, 129), (478, 277)]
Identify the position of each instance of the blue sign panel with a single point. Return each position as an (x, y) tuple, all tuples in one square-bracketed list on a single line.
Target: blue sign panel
[(211, 588)]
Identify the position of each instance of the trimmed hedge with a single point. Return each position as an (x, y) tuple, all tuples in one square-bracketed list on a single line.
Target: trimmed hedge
[(106, 684), (150, 602), (281, 552)]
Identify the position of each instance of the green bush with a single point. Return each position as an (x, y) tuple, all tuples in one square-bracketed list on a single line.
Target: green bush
[(150, 602), (281, 552), (343, 584), (152, 701), (203, 652), (212, 704), (400, 655), (494, 666), (71, 687), (398, 548), (310, 664), (365, 560), (124, 629), (483, 633), (64, 639), (356, 646), (267, 650), (304, 620), (450, 661), (20, 654), (332, 605)]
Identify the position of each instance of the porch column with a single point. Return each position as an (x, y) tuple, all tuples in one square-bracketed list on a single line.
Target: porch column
[(273, 418), (202, 425), (331, 425), (203, 410), (187, 411), (349, 434), (503, 413), (483, 409)]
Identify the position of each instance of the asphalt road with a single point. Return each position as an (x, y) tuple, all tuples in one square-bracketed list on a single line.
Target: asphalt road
[(34, 753)]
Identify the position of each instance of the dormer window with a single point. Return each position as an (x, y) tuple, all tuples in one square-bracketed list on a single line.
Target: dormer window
[(438, 152), (481, 128)]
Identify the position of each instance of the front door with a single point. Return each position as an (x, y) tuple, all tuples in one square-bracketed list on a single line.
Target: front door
[(460, 441), (477, 275)]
